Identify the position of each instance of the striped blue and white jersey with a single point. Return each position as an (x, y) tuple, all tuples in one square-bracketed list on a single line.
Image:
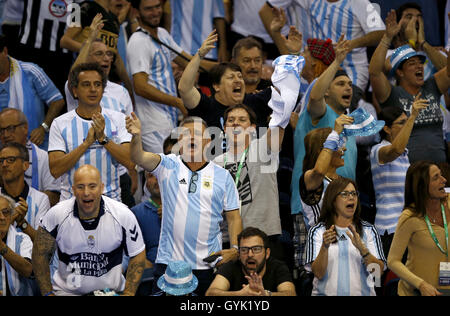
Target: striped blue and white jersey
[(90, 253), (346, 273), (190, 228), (69, 130), (298, 15), (43, 92), (389, 185), (115, 97), (192, 21), (22, 245), (353, 18), (145, 55), (38, 204), (38, 173)]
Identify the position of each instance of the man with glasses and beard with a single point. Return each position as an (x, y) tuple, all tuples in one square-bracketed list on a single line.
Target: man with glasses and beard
[(255, 273)]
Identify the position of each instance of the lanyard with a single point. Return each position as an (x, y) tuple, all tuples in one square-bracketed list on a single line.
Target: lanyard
[(153, 203), (433, 235), (241, 164)]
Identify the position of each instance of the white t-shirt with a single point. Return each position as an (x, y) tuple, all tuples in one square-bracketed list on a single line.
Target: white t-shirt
[(145, 55), (90, 254)]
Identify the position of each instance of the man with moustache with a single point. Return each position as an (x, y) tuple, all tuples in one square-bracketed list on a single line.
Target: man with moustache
[(255, 273), (247, 53), (149, 62)]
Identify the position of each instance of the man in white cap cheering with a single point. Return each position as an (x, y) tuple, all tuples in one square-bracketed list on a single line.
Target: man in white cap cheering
[(426, 142)]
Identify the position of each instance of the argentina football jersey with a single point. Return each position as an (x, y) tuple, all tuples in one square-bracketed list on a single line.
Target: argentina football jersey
[(69, 131), (193, 206)]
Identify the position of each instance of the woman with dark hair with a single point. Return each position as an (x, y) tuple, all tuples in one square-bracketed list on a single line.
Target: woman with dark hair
[(322, 157), (422, 228), (342, 250)]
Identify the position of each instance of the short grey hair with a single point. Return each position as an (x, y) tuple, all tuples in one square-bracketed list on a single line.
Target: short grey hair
[(11, 202)]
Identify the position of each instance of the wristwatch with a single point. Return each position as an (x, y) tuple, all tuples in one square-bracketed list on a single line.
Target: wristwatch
[(45, 126), (24, 226), (104, 141)]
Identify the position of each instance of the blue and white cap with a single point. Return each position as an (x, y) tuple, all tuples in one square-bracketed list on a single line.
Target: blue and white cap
[(401, 54), (364, 124)]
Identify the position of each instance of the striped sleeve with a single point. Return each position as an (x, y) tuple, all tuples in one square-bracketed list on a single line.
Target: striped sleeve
[(314, 242), (373, 242), (44, 87)]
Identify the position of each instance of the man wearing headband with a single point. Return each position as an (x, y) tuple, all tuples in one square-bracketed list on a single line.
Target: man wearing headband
[(427, 142)]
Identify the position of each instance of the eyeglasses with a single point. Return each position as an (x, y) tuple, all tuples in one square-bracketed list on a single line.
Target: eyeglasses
[(10, 159), (10, 129), (101, 54), (254, 249), (192, 185), (346, 194), (6, 212)]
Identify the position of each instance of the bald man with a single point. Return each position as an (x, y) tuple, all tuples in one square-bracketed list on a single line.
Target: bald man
[(92, 232)]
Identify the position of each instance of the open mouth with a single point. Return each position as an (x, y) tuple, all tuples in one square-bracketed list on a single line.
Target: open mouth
[(251, 264), (350, 206), (347, 97), (442, 189), (237, 90), (88, 203), (419, 74)]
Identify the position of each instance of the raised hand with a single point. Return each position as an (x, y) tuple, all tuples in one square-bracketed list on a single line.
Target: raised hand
[(98, 122), (341, 121), (278, 20), (421, 32), (329, 237), (20, 211), (96, 26), (392, 27), (208, 44), (419, 104), (133, 124), (342, 49), (410, 30), (255, 283), (294, 41), (356, 239)]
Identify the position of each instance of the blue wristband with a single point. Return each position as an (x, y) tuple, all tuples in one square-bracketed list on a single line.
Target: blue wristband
[(49, 293)]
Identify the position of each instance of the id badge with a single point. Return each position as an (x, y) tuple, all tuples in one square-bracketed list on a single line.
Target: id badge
[(444, 273)]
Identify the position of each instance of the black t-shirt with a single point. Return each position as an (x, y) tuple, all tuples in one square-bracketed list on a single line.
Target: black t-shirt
[(277, 272), (210, 110), (111, 27)]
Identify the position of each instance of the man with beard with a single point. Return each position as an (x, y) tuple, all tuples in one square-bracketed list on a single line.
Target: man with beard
[(255, 273), (149, 60)]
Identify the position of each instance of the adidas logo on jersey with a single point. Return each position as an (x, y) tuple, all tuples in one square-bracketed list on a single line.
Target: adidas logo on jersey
[(183, 181)]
